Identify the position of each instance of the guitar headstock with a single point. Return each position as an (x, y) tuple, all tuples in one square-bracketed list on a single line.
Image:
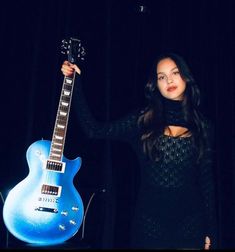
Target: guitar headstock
[(74, 49)]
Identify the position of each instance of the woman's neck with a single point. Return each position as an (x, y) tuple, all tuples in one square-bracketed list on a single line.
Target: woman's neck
[(174, 113)]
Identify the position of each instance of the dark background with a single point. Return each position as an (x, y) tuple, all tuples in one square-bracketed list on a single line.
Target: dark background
[(121, 41)]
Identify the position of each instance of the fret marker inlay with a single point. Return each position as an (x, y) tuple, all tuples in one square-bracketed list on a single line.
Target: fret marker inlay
[(60, 126), (58, 137), (63, 113), (69, 81), (65, 104), (66, 92)]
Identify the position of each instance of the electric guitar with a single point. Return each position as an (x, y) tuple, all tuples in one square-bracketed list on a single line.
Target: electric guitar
[(45, 208)]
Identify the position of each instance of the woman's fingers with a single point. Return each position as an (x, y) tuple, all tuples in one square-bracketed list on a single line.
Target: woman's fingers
[(68, 68), (207, 243)]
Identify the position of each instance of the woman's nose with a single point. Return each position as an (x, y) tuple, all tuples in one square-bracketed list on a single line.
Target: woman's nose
[(169, 79)]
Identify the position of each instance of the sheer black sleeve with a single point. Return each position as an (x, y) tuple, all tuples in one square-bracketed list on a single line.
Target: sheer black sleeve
[(121, 129), (208, 188)]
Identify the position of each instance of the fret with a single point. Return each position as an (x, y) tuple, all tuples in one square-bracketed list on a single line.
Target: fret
[(59, 135), (66, 93), (64, 104), (62, 113), (55, 149), (60, 126), (61, 120), (55, 155), (64, 108), (57, 144), (59, 131), (67, 87), (65, 99), (68, 80)]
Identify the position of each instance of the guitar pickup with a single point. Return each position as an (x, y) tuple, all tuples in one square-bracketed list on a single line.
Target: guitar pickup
[(51, 190), (46, 209), (55, 166)]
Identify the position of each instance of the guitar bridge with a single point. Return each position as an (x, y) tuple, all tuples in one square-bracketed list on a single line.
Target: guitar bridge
[(46, 209)]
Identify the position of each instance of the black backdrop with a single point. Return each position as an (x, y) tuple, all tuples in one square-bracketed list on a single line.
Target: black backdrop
[(121, 39)]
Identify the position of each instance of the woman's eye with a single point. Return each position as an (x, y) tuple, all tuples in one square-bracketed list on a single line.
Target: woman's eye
[(176, 72), (161, 78)]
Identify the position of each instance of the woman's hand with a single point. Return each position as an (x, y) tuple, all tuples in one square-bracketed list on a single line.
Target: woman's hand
[(207, 243), (69, 68)]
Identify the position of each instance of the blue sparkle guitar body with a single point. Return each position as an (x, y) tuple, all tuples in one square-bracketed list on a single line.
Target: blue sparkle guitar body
[(45, 207)]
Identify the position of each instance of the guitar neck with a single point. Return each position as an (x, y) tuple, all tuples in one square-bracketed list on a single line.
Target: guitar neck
[(62, 117)]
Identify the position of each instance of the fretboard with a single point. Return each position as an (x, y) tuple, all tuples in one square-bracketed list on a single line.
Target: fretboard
[(61, 123)]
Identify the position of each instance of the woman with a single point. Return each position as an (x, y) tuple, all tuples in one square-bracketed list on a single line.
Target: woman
[(175, 205)]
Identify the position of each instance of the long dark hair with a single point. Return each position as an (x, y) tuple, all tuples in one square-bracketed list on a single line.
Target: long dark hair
[(152, 120)]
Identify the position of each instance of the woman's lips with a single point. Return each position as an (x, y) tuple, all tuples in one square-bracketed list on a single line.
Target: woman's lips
[(171, 89)]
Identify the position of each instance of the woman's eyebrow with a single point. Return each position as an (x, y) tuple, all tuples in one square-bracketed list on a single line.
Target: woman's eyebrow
[(170, 70)]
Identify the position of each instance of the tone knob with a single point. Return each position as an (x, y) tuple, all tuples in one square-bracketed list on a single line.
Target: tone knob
[(65, 213), (73, 222), (74, 208), (62, 227)]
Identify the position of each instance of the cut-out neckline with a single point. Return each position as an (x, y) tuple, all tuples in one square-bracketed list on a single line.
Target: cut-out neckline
[(184, 134)]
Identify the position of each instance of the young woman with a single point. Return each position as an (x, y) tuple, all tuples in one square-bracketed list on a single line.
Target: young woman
[(175, 205)]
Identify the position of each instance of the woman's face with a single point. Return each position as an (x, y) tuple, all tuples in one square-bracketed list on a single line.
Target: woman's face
[(169, 81)]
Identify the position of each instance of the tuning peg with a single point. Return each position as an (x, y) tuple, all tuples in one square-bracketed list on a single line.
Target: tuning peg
[(73, 47)]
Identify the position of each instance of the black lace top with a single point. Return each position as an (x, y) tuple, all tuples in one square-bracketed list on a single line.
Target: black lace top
[(175, 203)]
